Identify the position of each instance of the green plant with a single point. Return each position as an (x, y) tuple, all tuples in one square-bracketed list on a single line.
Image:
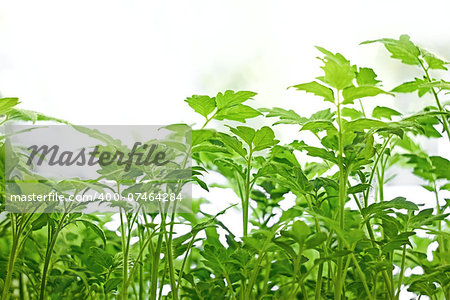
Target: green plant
[(341, 238)]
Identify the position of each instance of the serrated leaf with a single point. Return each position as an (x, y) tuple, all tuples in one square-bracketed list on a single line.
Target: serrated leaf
[(441, 167), (6, 104), (325, 114), (363, 124), (397, 203), (351, 93), (286, 116), (201, 135), (402, 49), (432, 61), (418, 85), (231, 98), (112, 284), (95, 228), (28, 115), (233, 144), (384, 112), (338, 71), (322, 153), (366, 76), (264, 138), (203, 105), (359, 188), (351, 113), (317, 89), (238, 113), (319, 125), (245, 133)]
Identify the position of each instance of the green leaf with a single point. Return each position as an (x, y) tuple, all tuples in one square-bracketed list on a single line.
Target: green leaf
[(412, 86), (233, 144), (351, 93), (209, 147), (315, 240), (433, 62), (6, 104), (325, 114), (28, 115), (231, 98), (286, 116), (338, 71), (238, 113), (40, 222), (203, 105), (366, 76), (317, 89), (441, 167), (322, 153), (353, 235), (112, 284), (300, 231), (96, 134), (98, 260), (245, 133), (319, 125), (286, 247), (351, 113), (201, 135), (402, 49), (362, 124), (359, 188), (445, 187), (95, 228), (397, 203), (214, 258), (394, 245), (264, 138), (384, 112)]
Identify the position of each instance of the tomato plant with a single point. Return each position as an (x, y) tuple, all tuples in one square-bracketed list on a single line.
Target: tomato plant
[(341, 238)]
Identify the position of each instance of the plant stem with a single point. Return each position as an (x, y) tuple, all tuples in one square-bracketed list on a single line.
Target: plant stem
[(442, 248), (12, 259), (372, 173), (180, 276), (245, 201), (402, 266), (51, 241), (436, 98), (363, 277), (342, 198)]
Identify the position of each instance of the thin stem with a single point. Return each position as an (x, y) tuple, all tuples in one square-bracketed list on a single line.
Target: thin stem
[(342, 197), (51, 241), (372, 173), (442, 248), (436, 98), (12, 259), (402, 267), (180, 276), (363, 277)]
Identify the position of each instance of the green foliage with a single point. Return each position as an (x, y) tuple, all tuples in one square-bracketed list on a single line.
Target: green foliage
[(338, 239)]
